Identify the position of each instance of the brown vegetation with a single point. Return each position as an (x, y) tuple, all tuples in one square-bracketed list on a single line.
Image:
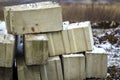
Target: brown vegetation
[(1, 13), (111, 38), (94, 12)]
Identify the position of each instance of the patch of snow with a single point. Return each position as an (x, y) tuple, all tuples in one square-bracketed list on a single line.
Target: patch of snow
[(54, 58), (97, 50), (65, 25), (79, 25), (101, 35), (6, 38), (3, 29), (36, 37), (108, 74), (41, 37), (105, 45), (74, 55)]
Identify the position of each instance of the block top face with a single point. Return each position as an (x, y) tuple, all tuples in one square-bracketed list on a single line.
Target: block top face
[(3, 30), (97, 51), (73, 55), (7, 38), (33, 6), (54, 58), (68, 26), (36, 37)]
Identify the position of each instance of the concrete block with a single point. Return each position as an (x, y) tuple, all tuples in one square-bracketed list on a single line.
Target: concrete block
[(36, 49), (80, 37), (74, 67), (33, 18), (6, 50), (96, 64), (27, 72), (52, 70), (71, 39), (6, 73)]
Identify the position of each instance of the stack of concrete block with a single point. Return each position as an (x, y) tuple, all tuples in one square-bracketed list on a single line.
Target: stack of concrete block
[(6, 56), (96, 63), (52, 52), (32, 20)]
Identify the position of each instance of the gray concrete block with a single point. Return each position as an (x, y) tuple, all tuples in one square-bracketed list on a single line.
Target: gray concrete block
[(52, 70), (74, 67), (27, 72), (6, 50), (96, 64), (33, 18), (80, 37), (36, 49)]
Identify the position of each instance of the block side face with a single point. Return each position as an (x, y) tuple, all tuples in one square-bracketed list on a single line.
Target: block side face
[(28, 52), (74, 68), (36, 49), (55, 43), (72, 39), (77, 40), (88, 37), (7, 20), (2, 54), (45, 52), (51, 67), (9, 55), (36, 52), (47, 20), (80, 39), (51, 48), (104, 61), (89, 62), (52, 70), (96, 65), (27, 72), (59, 70), (58, 43), (66, 41)]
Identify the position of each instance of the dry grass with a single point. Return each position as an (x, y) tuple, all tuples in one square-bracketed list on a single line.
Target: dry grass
[(94, 12)]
